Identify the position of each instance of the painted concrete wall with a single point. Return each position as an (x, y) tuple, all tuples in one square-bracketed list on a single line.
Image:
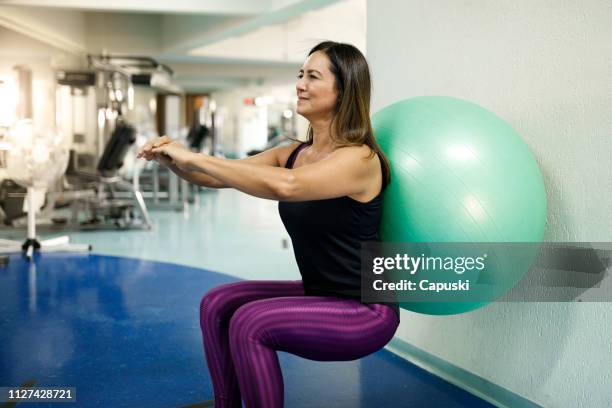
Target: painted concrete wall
[(546, 68)]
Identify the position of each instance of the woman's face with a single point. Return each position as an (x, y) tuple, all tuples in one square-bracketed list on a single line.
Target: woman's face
[(316, 88)]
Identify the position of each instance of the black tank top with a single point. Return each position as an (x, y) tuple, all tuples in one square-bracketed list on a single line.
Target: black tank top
[(327, 236)]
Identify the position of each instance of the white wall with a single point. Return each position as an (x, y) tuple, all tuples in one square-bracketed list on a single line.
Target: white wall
[(546, 68)]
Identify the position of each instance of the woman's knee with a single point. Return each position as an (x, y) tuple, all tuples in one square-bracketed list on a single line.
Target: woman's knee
[(214, 302), (247, 324)]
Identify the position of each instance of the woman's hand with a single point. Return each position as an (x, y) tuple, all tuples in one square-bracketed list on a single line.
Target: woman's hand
[(163, 160), (175, 153), (147, 153), (147, 150)]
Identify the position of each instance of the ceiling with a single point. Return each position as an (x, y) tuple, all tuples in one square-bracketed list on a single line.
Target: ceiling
[(211, 45)]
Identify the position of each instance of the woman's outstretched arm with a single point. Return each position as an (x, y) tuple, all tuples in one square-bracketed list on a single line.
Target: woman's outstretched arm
[(276, 157), (347, 171), (195, 177)]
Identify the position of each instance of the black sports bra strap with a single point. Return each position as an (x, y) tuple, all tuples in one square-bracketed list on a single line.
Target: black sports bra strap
[(293, 155)]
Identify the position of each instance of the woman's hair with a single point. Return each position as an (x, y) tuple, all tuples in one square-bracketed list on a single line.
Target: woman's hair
[(351, 123)]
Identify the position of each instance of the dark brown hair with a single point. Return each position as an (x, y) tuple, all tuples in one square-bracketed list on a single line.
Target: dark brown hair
[(351, 123)]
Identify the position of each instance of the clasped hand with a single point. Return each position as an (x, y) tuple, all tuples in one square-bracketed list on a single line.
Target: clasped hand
[(167, 152)]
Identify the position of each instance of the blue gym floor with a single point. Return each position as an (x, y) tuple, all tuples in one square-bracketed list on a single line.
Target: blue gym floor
[(121, 325)]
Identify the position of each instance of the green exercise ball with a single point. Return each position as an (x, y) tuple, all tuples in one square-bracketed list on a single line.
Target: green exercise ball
[(460, 174)]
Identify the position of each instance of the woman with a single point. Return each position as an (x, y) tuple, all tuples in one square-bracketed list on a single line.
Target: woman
[(330, 194)]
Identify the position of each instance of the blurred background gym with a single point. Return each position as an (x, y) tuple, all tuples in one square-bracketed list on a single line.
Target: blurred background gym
[(110, 304)]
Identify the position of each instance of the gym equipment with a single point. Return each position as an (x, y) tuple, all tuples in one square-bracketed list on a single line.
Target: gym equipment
[(34, 160), (97, 193), (197, 136), (201, 137), (106, 205), (163, 189), (459, 174), (12, 197)]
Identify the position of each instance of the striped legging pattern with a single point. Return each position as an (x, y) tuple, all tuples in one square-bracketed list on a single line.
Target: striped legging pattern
[(245, 323)]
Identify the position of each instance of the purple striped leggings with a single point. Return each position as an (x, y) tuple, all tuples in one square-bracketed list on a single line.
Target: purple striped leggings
[(244, 323)]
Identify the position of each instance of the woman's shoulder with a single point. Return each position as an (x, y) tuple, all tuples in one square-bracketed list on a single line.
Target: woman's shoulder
[(356, 148), (362, 152), (367, 167)]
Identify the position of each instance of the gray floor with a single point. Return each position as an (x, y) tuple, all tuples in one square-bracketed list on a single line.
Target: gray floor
[(228, 232)]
